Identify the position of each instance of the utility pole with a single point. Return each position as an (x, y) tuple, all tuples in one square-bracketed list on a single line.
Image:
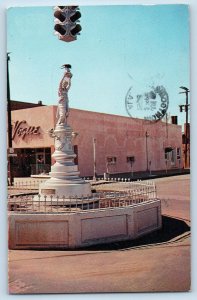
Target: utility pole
[(186, 108), (94, 158), (9, 122), (147, 135)]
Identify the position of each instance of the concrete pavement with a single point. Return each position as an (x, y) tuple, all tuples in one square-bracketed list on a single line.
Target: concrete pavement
[(156, 266)]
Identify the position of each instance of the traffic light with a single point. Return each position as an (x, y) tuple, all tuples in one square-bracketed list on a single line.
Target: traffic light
[(66, 26)]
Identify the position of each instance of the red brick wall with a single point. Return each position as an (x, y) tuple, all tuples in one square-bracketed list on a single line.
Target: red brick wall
[(121, 137), (115, 136)]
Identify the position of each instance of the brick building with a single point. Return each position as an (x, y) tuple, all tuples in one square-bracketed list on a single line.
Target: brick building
[(122, 143)]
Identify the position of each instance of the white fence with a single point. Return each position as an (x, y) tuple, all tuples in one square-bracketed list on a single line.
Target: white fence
[(133, 194), (33, 184)]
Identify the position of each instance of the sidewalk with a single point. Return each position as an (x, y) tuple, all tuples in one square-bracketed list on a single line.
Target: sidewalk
[(144, 175), (17, 191)]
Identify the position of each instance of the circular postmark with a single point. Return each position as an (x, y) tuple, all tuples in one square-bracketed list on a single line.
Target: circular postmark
[(151, 105)]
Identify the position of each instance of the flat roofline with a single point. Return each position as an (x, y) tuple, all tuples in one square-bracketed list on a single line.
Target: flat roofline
[(26, 102), (95, 112), (121, 116), (102, 113)]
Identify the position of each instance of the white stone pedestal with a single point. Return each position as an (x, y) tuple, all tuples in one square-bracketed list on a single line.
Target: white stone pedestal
[(65, 180)]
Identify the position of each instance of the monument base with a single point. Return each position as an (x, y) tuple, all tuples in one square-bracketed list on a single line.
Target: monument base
[(65, 188), (83, 228)]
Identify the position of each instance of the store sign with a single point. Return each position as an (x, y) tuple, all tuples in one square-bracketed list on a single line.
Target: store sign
[(21, 129)]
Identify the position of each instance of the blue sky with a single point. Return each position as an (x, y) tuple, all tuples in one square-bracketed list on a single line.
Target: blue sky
[(119, 47)]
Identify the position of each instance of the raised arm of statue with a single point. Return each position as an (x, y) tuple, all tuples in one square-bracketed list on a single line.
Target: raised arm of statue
[(65, 83)]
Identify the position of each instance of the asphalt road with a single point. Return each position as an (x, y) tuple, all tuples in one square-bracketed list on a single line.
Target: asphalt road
[(153, 264)]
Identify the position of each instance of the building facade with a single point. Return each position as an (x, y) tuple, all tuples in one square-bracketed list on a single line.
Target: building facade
[(121, 144)]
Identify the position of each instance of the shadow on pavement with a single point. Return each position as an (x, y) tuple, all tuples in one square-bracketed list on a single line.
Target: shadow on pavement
[(171, 229)]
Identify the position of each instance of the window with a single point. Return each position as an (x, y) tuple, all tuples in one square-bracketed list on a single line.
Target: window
[(168, 151), (111, 160), (178, 153), (173, 156), (75, 148), (170, 155), (130, 159)]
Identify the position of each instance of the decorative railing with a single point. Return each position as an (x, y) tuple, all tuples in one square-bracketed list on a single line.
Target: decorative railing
[(134, 194), (33, 184), (25, 185)]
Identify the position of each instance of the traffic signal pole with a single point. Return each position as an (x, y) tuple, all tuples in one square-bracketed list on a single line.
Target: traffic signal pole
[(9, 122)]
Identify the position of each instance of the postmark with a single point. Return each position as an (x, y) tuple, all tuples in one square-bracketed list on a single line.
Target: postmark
[(150, 105)]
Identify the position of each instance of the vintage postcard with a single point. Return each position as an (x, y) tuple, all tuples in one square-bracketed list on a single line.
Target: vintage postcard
[(98, 149)]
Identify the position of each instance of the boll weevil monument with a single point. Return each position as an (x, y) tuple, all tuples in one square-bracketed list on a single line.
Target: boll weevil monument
[(66, 214), (65, 181)]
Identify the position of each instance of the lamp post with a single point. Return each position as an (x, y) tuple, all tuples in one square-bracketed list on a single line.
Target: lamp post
[(186, 108)]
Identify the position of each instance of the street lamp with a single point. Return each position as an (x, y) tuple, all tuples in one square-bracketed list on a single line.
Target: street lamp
[(186, 108)]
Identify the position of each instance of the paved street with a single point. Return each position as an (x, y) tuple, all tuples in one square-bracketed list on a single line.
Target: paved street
[(175, 191), (160, 264)]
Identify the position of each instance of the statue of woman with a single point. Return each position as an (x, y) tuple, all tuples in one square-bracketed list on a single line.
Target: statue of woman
[(64, 86)]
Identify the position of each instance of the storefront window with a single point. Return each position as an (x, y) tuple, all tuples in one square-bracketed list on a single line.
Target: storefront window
[(173, 156), (32, 162), (170, 155)]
